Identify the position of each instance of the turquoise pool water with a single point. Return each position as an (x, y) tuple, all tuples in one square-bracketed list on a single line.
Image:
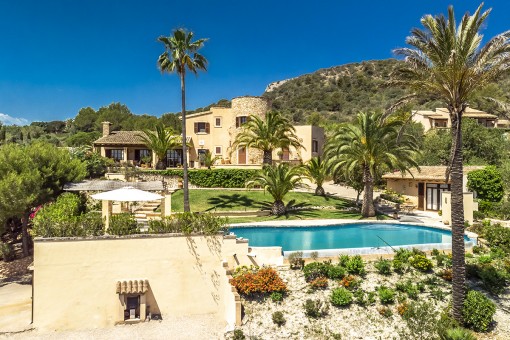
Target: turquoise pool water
[(359, 235)]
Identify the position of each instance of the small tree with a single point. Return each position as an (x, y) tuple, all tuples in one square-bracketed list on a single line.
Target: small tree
[(315, 170), (159, 142), (278, 181), (487, 183)]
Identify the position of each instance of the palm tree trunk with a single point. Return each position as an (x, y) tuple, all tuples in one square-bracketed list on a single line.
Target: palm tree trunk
[(367, 209), (319, 191), (268, 157), (184, 148), (458, 248), (278, 208), (25, 238)]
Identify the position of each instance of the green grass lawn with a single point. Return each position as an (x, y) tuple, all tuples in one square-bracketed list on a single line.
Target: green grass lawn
[(225, 200)]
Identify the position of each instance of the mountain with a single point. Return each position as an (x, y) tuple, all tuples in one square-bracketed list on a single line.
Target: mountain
[(335, 94)]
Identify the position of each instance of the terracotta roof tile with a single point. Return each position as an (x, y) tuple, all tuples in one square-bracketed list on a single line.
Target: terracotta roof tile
[(427, 173)]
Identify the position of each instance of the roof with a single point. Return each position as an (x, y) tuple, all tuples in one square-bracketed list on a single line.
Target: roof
[(122, 137), (427, 173), (442, 113), (125, 138), (100, 185)]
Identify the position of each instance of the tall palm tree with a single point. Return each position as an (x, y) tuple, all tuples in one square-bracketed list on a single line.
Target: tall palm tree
[(267, 134), (278, 180), (159, 142), (181, 54), (447, 62), (371, 142), (316, 170)]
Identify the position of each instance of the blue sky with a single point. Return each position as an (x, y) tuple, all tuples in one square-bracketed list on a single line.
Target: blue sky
[(61, 55)]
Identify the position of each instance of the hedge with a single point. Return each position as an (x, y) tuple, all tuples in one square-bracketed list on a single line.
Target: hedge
[(211, 178)]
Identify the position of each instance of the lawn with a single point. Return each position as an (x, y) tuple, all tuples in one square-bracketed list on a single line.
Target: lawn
[(225, 200), (204, 200)]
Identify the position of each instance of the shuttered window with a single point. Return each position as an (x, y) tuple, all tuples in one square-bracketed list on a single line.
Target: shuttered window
[(202, 127), (241, 120)]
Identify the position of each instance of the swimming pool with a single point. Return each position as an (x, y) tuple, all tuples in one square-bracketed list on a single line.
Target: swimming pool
[(345, 236)]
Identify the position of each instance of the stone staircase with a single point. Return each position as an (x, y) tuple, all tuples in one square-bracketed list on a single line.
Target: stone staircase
[(141, 214)]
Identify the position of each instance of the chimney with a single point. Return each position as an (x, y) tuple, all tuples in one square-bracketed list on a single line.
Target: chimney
[(106, 128)]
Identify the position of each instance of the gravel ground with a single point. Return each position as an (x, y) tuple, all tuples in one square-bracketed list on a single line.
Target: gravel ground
[(190, 328)]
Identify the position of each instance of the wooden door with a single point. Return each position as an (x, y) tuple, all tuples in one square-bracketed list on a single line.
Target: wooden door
[(241, 156)]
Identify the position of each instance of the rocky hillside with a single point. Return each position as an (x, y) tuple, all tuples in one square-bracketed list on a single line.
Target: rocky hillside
[(335, 94)]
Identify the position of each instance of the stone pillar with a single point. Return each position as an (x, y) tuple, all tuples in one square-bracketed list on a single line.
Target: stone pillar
[(166, 205), (125, 154), (143, 307), (106, 211)]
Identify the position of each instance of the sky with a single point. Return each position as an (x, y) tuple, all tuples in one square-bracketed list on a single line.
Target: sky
[(59, 56)]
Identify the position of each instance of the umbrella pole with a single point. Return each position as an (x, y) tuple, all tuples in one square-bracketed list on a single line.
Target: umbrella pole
[(106, 211)]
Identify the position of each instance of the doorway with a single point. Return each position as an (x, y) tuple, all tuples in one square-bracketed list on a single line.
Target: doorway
[(434, 195), (241, 156), (421, 195)]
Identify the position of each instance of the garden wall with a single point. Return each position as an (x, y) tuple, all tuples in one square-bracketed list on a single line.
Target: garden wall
[(77, 281)]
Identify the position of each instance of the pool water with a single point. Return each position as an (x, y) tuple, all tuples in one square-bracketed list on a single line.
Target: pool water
[(358, 235)]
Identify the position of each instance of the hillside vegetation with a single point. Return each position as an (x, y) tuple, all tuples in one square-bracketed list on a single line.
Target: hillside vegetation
[(335, 94)]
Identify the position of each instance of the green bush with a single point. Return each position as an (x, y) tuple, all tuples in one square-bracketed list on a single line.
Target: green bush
[(238, 335), (409, 288), (383, 266), (363, 298), (494, 280), (355, 265), (421, 262), (278, 318), (189, 223), (341, 297), (386, 295), (478, 311), (421, 321), (123, 224), (399, 266), (7, 252), (497, 236), (342, 260), (315, 308), (315, 270), (212, 178), (276, 296), (487, 183), (459, 333), (403, 255), (335, 272)]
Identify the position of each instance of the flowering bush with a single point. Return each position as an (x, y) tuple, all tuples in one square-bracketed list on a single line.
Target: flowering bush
[(262, 281), (350, 282), (319, 283)]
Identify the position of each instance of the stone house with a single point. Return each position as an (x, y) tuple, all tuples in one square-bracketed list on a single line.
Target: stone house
[(440, 118)]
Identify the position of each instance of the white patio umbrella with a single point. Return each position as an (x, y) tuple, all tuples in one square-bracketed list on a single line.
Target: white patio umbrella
[(127, 194)]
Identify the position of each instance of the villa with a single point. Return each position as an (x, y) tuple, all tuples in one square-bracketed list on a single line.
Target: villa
[(440, 118), (212, 131)]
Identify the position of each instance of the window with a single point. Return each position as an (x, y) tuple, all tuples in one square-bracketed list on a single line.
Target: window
[(434, 195), (217, 150), (142, 153), (201, 127), (201, 156), (115, 154), (174, 158), (217, 122), (241, 120), (315, 146)]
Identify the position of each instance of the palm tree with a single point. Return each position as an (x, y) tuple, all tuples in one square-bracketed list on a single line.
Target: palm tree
[(266, 134), (278, 181), (316, 170), (159, 142), (447, 62), (371, 142), (181, 54)]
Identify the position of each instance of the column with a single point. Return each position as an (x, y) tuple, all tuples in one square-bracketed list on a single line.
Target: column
[(166, 205), (106, 211)]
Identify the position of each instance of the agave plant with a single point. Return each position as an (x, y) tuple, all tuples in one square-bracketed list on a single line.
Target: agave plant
[(278, 181)]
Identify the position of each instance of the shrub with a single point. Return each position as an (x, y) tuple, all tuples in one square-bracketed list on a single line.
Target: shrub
[(446, 274), (7, 252), (386, 295), (189, 223), (443, 260), (335, 272), (296, 260), (355, 265), (263, 281), (342, 260), (403, 255), (497, 236), (212, 178), (494, 280), (123, 224), (276, 296), (478, 311), (238, 335), (383, 266), (278, 318), (421, 262), (341, 297), (435, 252), (363, 298), (385, 311), (350, 282), (319, 283), (487, 183), (485, 259), (315, 308), (402, 308), (459, 333), (421, 321), (315, 270), (399, 266), (438, 294), (314, 255), (409, 288)]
